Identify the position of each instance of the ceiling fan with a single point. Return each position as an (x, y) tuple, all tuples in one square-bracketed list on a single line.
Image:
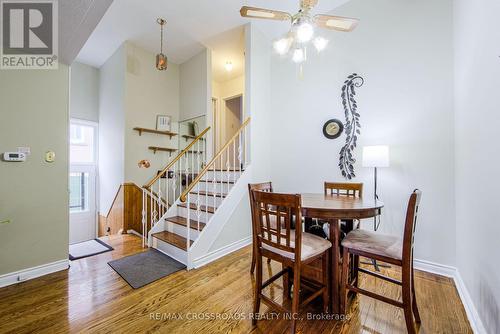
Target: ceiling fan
[(302, 31)]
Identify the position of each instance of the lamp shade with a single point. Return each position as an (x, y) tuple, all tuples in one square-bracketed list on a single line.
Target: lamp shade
[(376, 156)]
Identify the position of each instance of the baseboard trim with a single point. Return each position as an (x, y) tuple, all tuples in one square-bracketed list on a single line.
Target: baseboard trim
[(217, 254), (435, 268), (470, 309), (134, 232), (34, 272)]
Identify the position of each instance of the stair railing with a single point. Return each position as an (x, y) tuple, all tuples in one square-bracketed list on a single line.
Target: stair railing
[(159, 194), (232, 158)]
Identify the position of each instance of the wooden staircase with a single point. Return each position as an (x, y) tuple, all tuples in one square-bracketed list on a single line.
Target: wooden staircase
[(204, 191)]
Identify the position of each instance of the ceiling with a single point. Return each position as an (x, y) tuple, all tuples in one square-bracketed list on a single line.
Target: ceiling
[(77, 20), (191, 26), (228, 46)]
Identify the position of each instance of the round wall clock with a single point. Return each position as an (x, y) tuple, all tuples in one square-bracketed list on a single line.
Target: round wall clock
[(333, 129)]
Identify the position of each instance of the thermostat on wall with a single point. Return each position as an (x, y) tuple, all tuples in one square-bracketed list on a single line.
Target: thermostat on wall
[(14, 156)]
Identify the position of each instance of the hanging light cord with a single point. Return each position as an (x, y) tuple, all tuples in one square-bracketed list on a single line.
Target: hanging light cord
[(161, 38), (161, 22)]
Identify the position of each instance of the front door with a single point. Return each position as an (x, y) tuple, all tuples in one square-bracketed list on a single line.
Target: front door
[(82, 181)]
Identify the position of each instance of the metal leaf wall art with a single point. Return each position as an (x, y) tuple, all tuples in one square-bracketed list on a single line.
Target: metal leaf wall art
[(352, 124)]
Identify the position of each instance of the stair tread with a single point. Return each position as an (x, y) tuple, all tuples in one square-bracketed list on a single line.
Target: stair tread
[(204, 208), (208, 193), (183, 222), (218, 181), (173, 239), (236, 169)]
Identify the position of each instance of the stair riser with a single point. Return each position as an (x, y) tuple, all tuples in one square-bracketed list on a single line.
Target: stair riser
[(206, 200), (204, 218), (172, 251), (210, 187), (181, 230), (221, 175)]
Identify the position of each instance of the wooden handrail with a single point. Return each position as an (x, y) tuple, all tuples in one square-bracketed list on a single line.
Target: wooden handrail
[(171, 163), (207, 167)]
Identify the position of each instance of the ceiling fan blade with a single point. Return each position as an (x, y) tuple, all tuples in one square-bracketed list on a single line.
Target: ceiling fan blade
[(308, 3), (262, 13), (336, 22)]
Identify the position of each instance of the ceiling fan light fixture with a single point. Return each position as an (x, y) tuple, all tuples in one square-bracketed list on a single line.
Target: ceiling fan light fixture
[(320, 43), (299, 55), (304, 32), (282, 45)]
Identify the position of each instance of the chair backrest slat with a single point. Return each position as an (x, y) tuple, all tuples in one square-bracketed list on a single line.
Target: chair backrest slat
[(344, 189), (273, 215), (410, 224)]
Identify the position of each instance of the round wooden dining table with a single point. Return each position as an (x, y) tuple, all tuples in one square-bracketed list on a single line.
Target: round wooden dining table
[(333, 208)]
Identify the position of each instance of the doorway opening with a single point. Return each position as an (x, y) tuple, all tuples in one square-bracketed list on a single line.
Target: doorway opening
[(82, 181)]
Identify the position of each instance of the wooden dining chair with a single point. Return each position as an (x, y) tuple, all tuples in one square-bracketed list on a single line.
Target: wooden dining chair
[(274, 214), (267, 187), (389, 249), (344, 189)]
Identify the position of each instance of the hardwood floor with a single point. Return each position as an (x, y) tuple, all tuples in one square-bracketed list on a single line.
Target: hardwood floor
[(92, 297)]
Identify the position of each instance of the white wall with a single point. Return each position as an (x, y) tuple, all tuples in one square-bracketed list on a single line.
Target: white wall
[(257, 91), (111, 128), (222, 91), (149, 93), (258, 100), (84, 92), (406, 103), (477, 120), (195, 86)]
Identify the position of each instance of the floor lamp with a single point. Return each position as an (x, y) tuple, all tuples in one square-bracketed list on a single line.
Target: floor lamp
[(375, 157)]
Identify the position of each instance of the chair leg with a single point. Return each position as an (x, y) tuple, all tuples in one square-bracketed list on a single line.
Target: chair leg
[(344, 280), (252, 267), (407, 306), (295, 300), (286, 281), (326, 282), (356, 270), (258, 289), (414, 300), (268, 260)]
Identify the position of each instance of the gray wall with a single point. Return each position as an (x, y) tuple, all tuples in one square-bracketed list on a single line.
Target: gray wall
[(477, 120), (84, 96), (34, 194), (111, 128), (149, 93), (195, 86)]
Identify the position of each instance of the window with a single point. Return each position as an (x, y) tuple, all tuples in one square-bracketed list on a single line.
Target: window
[(78, 191), (76, 135), (82, 148)]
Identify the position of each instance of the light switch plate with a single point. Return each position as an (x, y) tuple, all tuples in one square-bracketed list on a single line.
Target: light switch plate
[(50, 156)]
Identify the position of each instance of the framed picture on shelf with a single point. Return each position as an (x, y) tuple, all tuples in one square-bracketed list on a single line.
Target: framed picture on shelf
[(163, 123)]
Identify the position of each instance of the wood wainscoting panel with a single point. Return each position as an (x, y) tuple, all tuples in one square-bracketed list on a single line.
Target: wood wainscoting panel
[(133, 207), (125, 213), (112, 223)]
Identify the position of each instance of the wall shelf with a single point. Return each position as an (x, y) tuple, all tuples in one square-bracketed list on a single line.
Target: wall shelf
[(162, 149), (166, 133), (190, 137)]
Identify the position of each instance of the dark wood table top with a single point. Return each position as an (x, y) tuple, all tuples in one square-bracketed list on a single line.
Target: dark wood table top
[(335, 206)]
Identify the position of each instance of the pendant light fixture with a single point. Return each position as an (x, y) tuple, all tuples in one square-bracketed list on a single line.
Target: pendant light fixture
[(161, 59)]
